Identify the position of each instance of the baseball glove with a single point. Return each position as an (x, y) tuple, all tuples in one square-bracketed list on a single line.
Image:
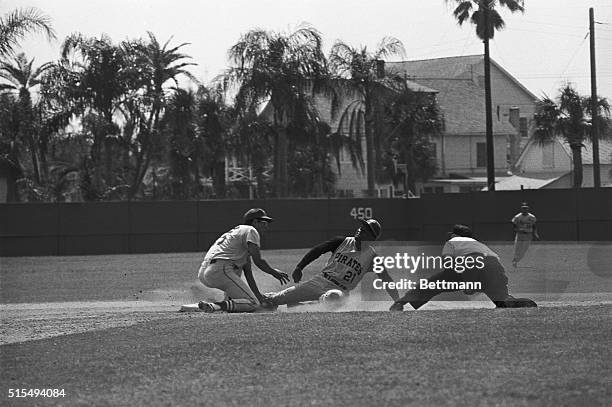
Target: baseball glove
[(397, 306)]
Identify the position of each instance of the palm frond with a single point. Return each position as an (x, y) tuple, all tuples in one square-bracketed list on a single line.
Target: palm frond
[(389, 46), (513, 5), (15, 25)]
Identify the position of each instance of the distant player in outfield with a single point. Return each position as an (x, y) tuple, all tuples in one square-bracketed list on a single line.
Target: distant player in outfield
[(227, 258), (491, 276), (350, 260), (525, 230)]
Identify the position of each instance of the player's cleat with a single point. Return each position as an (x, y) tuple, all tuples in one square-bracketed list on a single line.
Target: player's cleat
[(206, 306), (199, 307), (267, 306)]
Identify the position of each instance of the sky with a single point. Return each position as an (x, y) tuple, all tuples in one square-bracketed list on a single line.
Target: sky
[(544, 48)]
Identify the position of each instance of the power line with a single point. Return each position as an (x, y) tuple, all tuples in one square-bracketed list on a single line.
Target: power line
[(544, 32), (563, 75), (553, 24), (573, 55)]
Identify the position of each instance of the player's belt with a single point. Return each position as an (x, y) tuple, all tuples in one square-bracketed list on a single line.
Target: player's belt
[(213, 261), (333, 280)]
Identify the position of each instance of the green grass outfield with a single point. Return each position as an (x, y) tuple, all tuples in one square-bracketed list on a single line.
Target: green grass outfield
[(105, 329)]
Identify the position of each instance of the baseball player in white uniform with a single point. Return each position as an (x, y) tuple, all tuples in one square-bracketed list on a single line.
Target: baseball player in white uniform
[(525, 231), (492, 276), (227, 258), (347, 265)]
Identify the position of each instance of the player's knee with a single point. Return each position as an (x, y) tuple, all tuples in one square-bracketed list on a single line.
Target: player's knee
[(203, 277)]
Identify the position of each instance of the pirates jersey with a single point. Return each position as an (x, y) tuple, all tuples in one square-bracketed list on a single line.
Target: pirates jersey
[(347, 265)]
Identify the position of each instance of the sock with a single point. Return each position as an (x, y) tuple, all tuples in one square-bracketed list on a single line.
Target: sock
[(238, 305)]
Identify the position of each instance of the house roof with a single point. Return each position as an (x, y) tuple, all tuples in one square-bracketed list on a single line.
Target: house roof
[(605, 150), (462, 103), (458, 67), (459, 97), (515, 182), (437, 68), (510, 183)]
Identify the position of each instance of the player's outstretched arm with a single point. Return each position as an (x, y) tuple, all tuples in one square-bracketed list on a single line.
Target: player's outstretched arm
[(248, 274), (264, 266), (315, 253)]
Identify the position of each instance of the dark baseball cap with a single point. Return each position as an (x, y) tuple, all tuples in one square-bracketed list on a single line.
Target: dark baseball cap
[(372, 226), (462, 230), (256, 213)]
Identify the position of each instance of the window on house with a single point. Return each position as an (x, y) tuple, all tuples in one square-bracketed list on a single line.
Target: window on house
[(383, 193), (439, 190), (547, 155), (346, 193), (342, 154), (523, 128), (427, 190), (481, 154)]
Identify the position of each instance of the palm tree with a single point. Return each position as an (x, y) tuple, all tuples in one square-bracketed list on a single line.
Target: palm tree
[(99, 88), (152, 66), (251, 141), (359, 70), (281, 69), (412, 118), (178, 130), (15, 25), (213, 129), (565, 117), (22, 77), (10, 144), (601, 123), (487, 20)]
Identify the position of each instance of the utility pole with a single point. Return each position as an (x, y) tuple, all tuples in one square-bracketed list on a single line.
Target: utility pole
[(488, 112), (594, 135)]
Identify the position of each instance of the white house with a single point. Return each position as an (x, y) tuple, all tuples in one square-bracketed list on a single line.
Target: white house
[(553, 160)]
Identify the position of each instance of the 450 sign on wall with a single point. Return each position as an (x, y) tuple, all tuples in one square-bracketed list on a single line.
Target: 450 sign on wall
[(362, 213)]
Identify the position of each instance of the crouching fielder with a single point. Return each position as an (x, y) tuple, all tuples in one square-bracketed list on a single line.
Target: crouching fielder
[(347, 265), (491, 276), (227, 258)]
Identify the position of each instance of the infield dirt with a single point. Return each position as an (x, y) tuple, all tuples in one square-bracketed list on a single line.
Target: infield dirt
[(105, 328)]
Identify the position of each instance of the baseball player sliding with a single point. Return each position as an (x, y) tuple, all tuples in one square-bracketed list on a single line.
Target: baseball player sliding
[(347, 265), (525, 230), (227, 258)]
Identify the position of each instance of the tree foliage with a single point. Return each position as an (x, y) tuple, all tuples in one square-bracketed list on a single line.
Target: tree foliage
[(569, 116), (17, 24), (360, 72)]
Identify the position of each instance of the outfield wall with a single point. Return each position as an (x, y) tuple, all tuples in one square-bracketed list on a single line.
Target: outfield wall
[(188, 226)]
